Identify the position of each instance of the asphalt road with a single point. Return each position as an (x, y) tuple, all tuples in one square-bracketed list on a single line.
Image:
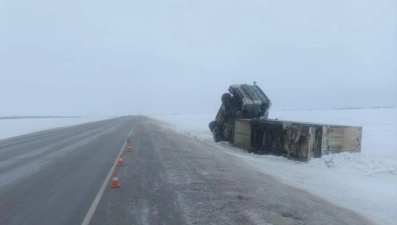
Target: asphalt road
[(53, 177)]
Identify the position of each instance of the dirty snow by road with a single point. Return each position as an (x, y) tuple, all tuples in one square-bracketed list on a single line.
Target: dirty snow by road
[(365, 182), (16, 127), (173, 179)]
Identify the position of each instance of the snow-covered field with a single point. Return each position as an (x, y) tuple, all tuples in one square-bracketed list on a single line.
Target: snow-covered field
[(365, 182), (16, 127)]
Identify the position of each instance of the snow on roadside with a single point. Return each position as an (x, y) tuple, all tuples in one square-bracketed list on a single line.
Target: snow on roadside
[(15, 127), (365, 182)]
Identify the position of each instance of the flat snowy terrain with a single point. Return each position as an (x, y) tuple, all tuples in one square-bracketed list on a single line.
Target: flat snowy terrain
[(365, 182), (16, 127)]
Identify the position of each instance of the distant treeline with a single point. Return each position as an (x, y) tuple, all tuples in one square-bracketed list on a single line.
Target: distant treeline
[(35, 117)]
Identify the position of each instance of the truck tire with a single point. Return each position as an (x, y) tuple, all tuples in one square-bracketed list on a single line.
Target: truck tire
[(218, 138), (226, 99), (239, 114), (212, 125)]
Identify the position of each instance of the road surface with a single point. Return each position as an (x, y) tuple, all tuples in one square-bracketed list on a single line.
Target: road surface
[(53, 177)]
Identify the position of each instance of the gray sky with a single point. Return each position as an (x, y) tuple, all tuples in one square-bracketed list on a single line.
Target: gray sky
[(126, 57)]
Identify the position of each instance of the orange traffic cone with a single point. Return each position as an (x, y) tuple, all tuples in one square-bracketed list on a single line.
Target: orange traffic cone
[(120, 162), (129, 148), (115, 183)]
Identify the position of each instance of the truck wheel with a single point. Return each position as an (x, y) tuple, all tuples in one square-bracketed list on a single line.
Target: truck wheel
[(218, 138), (239, 114), (212, 125), (226, 98)]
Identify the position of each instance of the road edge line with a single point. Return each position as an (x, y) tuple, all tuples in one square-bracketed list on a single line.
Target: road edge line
[(98, 197)]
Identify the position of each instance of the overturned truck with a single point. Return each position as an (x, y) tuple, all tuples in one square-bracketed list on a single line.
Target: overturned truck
[(243, 121)]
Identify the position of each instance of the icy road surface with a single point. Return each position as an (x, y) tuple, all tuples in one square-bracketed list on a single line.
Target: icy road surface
[(51, 177)]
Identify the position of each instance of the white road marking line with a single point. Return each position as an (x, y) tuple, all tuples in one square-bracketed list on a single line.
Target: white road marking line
[(98, 197)]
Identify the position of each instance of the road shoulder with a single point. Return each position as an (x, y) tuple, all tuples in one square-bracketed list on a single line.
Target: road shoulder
[(174, 179)]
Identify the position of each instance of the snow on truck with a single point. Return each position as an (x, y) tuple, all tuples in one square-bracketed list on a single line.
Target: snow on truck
[(243, 121)]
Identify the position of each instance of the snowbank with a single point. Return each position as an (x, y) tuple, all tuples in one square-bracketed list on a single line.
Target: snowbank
[(365, 182), (16, 127)]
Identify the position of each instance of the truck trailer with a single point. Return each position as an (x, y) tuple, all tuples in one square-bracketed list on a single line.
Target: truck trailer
[(243, 121)]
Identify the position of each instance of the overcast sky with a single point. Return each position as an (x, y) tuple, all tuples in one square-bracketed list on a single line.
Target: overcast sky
[(127, 57)]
